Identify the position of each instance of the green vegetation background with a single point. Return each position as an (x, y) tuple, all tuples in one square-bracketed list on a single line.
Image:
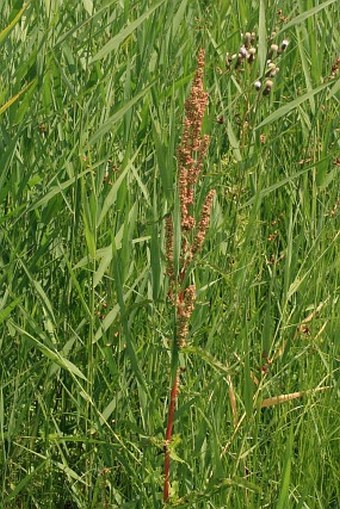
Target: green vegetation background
[(91, 107)]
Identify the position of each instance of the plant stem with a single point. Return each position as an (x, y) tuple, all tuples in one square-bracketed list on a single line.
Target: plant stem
[(168, 435)]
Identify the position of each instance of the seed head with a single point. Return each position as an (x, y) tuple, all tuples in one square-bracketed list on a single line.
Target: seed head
[(272, 70), (247, 39), (228, 60), (273, 48), (243, 52), (268, 87), (284, 44), (251, 55), (257, 85)]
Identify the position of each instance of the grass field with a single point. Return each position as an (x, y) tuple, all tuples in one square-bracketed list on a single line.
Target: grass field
[(92, 96)]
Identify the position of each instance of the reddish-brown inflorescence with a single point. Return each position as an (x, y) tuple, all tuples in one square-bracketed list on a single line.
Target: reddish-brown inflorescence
[(204, 222), (193, 145), (191, 152)]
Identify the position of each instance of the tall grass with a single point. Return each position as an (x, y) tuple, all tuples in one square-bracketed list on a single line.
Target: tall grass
[(92, 99)]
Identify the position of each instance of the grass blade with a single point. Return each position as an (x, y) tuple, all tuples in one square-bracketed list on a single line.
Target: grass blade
[(287, 108), (114, 43), (305, 15), (6, 31)]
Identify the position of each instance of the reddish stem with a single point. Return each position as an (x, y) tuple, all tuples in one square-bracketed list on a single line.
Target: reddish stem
[(168, 436)]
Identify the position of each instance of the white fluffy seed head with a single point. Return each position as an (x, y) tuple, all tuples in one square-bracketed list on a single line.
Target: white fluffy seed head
[(284, 44), (257, 85), (243, 52)]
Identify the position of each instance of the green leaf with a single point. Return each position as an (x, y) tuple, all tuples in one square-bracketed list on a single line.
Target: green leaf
[(283, 501), (6, 31), (234, 142), (114, 43), (17, 96), (179, 16), (103, 129), (53, 355), (112, 196), (305, 15), (277, 185), (5, 313), (26, 480), (262, 51), (56, 190), (284, 110)]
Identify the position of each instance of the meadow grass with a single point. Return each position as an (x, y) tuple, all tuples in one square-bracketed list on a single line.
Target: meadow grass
[(92, 100)]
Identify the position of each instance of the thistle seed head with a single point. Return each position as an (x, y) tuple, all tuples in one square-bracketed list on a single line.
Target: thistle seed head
[(243, 52), (257, 85), (267, 87)]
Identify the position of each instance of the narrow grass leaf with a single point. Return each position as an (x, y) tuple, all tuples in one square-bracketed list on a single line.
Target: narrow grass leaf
[(262, 36), (248, 388), (112, 315), (287, 108), (114, 43), (6, 31), (234, 142), (283, 501), (277, 185), (118, 115), (305, 67), (89, 20), (305, 15), (334, 90), (5, 313), (179, 16), (17, 96), (25, 481), (53, 355), (124, 318), (112, 196), (56, 190), (155, 251), (208, 358)]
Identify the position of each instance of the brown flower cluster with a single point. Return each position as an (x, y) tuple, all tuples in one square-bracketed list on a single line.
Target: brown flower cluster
[(335, 68), (192, 149), (193, 145), (185, 308)]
